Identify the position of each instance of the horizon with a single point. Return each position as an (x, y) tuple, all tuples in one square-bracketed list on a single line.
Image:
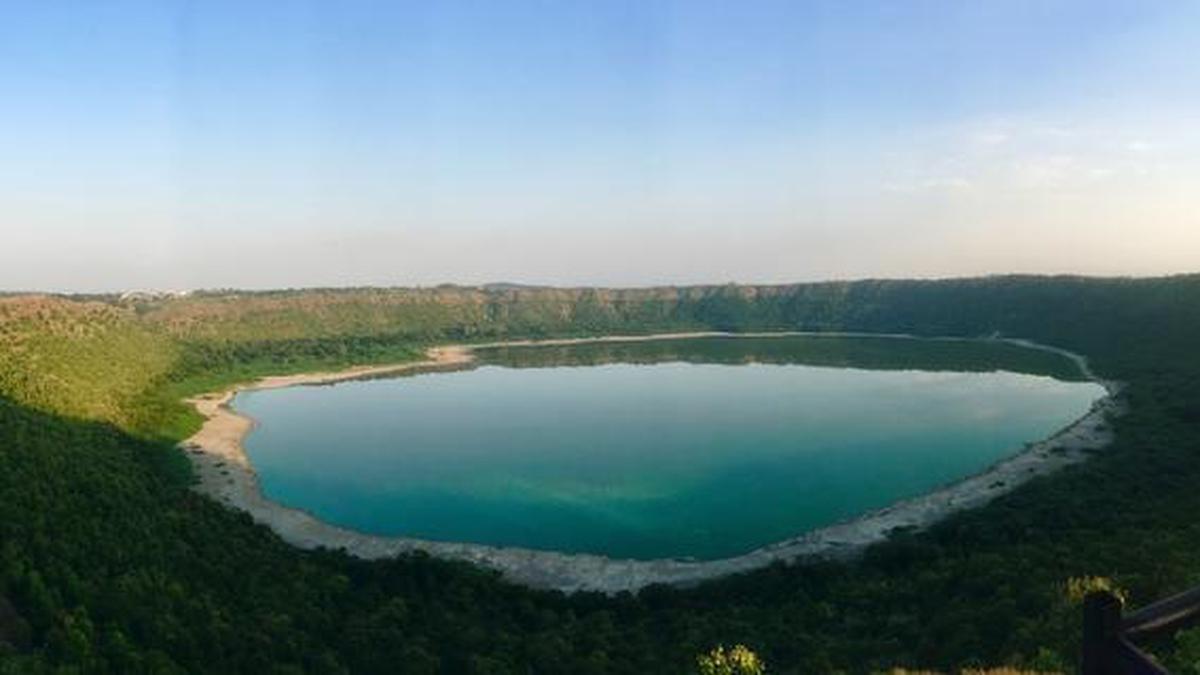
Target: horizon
[(507, 285), (622, 145)]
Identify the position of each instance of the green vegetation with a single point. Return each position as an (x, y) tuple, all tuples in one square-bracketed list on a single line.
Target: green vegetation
[(868, 353), (737, 660), (109, 563)]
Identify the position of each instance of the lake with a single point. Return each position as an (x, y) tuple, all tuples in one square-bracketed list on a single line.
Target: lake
[(700, 448)]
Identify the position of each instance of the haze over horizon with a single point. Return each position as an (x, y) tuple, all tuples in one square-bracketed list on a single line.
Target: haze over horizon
[(223, 144)]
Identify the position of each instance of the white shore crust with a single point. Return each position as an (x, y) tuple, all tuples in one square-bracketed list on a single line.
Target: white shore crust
[(224, 473)]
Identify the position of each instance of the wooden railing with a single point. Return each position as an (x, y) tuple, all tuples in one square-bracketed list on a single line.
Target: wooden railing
[(1108, 636)]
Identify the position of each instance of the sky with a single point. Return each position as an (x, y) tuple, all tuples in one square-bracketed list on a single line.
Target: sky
[(260, 144)]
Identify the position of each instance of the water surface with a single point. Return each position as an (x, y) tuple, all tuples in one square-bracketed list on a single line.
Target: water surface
[(696, 448)]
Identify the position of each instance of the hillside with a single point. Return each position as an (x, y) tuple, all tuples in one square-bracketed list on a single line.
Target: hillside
[(80, 359), (109, 563)]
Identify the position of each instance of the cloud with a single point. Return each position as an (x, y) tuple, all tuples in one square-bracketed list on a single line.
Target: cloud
[(1048, 171), (990, 138), (1002, 156), (938, 183), (947, 183)]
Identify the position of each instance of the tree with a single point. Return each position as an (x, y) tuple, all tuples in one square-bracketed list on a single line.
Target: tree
[(736, 661)]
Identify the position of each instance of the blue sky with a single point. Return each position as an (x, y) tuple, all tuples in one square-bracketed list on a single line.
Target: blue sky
[(262, 144)]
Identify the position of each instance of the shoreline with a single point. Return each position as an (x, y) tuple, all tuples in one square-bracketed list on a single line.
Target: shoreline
[(224, 473)]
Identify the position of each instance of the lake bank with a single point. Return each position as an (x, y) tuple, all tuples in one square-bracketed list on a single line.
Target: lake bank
[(227, 474)]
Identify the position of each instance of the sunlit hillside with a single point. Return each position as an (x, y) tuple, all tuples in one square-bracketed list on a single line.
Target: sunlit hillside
[(80, 359)]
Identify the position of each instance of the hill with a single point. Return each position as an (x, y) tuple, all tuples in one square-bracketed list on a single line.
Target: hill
[(109, 563)]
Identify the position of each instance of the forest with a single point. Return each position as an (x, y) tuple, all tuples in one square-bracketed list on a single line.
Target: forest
[(110, 563)]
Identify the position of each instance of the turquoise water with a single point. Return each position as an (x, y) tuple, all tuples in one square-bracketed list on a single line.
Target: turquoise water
[(699, 449)]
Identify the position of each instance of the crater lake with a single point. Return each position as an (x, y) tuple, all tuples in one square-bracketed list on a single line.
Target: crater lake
[(698, 448)]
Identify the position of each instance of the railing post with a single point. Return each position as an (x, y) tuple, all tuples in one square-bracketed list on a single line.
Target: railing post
[(1101, 633)]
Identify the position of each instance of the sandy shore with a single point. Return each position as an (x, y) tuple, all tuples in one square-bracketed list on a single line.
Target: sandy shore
[(224, 473)]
